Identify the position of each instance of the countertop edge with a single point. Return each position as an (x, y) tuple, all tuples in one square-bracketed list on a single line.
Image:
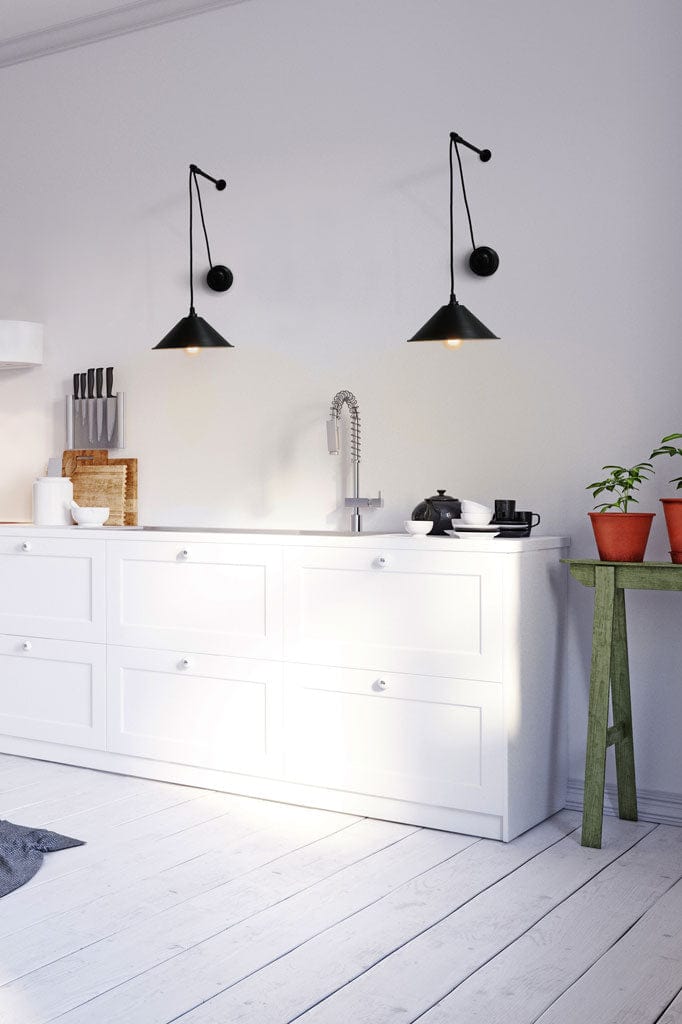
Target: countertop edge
[(288, 538)]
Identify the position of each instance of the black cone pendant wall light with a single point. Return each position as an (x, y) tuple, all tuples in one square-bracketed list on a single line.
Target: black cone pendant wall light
[(192, 332), (454, 323)]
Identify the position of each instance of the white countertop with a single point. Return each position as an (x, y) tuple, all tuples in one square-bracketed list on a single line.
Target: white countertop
[(318, 538)]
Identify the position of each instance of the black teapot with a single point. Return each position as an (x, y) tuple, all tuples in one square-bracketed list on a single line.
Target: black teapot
[(440, 509)]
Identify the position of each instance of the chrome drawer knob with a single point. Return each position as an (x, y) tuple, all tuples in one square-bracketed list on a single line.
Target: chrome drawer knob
[(184, 553), (381, 684), (382, 561), (26, 546), (27, 645), (184, 663)]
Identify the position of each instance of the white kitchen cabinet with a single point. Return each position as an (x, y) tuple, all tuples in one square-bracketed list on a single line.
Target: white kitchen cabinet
[(196, 709), (417, 680), (53, 690), (52, 588), (427, 612), (421, 739), (196, 596)]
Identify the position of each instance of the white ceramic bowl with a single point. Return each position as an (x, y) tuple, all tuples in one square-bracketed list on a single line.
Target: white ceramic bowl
[(91, 516), (475, 506), (476, 518), (418, 528)]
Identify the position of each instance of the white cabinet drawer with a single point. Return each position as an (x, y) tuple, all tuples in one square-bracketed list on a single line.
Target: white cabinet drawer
[(433, 613), (203, 710), (52, 588), (212, 598), (417, 738), (53, 690)]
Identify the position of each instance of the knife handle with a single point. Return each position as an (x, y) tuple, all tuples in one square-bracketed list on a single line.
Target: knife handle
[(99, 376), (110, 382), (91, 382), (76, 384), (84, 377)]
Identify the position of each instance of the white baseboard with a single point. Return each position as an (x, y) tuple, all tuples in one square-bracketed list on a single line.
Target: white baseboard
[(652, 804)]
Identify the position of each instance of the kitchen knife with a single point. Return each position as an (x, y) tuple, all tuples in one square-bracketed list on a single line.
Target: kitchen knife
[(84, 404), (91, 404), (76, 394), (111, 403), (99, 380)]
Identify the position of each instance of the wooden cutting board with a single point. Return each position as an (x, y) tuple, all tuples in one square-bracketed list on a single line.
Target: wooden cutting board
[(102, 485), (131, 489), (74, 457)]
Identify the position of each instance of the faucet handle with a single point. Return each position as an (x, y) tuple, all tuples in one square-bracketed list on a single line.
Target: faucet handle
[(365, 502), (333, 435)]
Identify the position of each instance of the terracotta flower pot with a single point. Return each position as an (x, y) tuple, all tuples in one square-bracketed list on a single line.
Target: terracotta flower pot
[(621, 536), (673, 520)]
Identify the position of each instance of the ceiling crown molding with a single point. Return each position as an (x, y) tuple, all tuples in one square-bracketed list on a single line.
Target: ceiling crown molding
[(95, 27)]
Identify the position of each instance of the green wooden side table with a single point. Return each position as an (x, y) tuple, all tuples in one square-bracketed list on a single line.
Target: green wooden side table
[(609, 672)]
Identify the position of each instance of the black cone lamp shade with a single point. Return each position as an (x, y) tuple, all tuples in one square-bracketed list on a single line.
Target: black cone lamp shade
[(193, 333), (454, 324)]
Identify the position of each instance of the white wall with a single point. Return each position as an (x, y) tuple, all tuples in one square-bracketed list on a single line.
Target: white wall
[(330, 120)]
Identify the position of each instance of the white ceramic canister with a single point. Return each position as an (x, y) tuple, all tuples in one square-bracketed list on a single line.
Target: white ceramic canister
[(52, 497)]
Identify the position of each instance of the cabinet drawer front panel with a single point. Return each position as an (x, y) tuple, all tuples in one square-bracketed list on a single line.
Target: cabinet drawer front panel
[(53, 690), (222, 599), (421, 612), (204, 710), (422, 739), (52, 588)]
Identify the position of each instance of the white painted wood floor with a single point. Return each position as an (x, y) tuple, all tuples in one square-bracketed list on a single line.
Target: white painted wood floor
[(193, 906)]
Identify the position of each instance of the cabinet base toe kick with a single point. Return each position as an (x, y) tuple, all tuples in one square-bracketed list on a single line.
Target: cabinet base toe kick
[(488, 826)]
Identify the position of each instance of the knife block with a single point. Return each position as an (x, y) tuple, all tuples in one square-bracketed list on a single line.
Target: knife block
[(83, 419)]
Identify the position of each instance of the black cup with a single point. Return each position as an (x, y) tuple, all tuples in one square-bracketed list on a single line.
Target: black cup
[(504, 510), (522, 517)]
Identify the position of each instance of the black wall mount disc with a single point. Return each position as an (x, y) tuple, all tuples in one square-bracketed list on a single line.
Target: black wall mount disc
[(219, 278), (484, 261)]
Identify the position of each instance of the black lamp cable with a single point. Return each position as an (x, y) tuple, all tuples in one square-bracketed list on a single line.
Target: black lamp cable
[(483, 260), (203, 222), (464, 190), (219, 277), (191, 253), (452, 233)]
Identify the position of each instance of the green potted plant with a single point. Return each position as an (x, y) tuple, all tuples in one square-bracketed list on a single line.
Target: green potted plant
[(672, 507), (621, 535)]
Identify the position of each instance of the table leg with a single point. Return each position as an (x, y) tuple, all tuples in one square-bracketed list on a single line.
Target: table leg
[(622, 712), (598, 715)]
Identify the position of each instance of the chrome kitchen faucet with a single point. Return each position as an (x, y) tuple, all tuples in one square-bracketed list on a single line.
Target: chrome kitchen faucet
[(340, 399)]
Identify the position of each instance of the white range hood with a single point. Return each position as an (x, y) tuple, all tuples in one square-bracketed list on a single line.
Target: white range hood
[(21, 343)]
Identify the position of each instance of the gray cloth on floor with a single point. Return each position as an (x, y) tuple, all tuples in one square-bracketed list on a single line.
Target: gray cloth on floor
[(21, 852)]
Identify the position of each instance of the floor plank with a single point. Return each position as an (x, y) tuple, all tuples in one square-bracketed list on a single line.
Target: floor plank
[(673, 1013), (636, 980), (295, 982), (50, 798), (527, 977), (242, 852), (124, 863), (253, 922), (406, 984), (195, 907)]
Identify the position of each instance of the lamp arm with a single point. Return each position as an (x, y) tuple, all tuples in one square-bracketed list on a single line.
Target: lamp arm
[(484, 154), (219, 183)]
